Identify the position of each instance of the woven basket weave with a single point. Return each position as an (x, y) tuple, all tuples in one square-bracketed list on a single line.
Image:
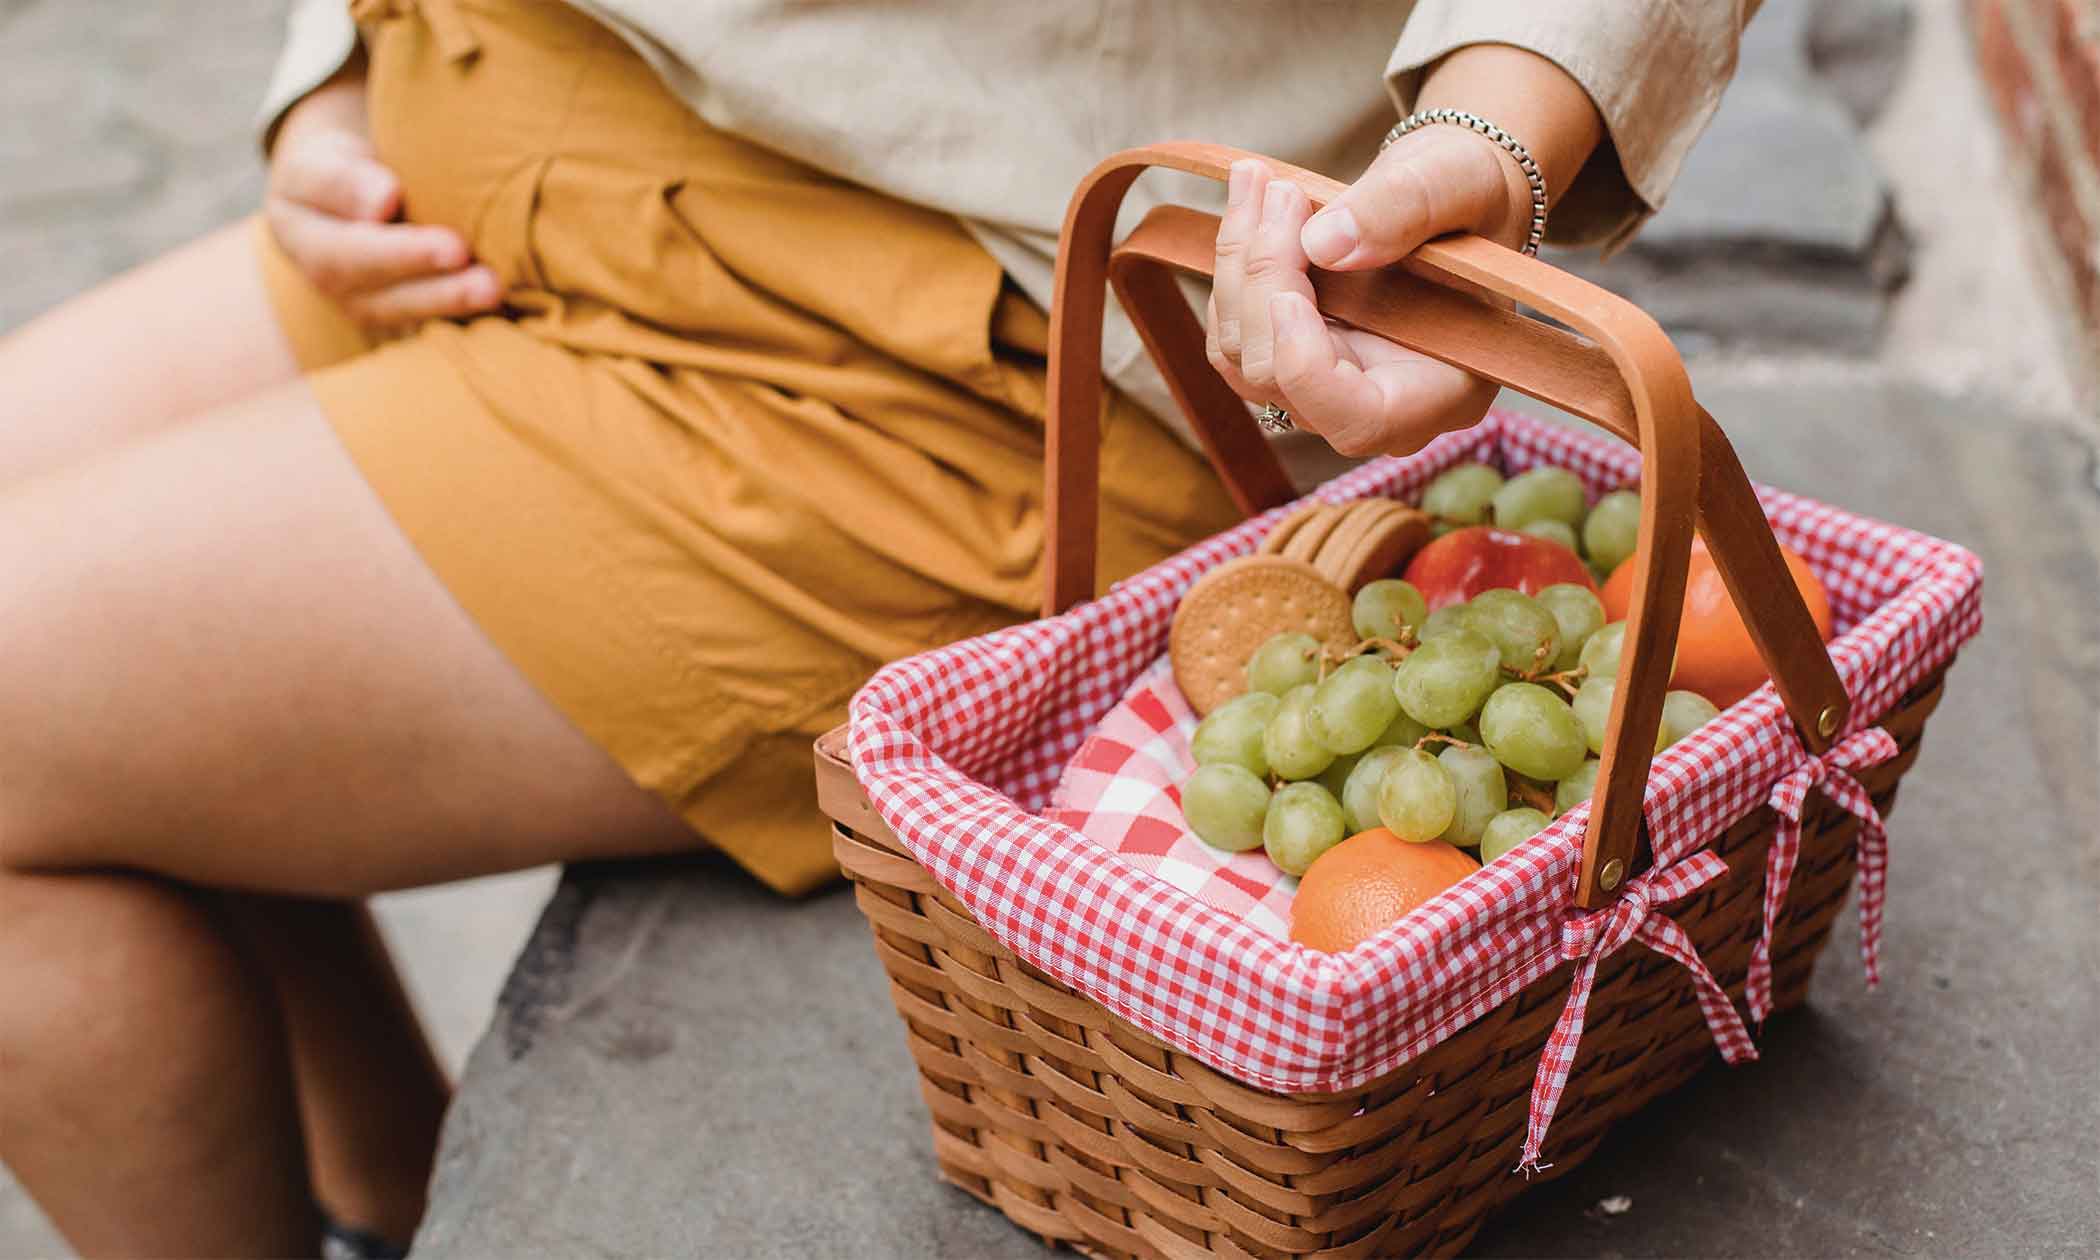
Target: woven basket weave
[(1089, 1131)]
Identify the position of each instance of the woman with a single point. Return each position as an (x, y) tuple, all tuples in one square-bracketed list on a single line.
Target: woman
[(603, 393)]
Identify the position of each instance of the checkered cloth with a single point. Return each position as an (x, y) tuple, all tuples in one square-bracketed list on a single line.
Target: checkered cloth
[(959, 750)]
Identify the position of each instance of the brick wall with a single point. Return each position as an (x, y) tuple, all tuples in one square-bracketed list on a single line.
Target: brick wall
[(2041, 61)]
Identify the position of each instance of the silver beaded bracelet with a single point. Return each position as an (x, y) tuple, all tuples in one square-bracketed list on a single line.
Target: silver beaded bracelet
[(1474, 122)]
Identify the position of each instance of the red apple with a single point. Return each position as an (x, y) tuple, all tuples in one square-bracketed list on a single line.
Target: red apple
[(1479, 558)]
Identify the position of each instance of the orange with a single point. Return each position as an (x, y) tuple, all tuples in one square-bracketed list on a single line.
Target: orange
[(1357, 888), (1715, 656)]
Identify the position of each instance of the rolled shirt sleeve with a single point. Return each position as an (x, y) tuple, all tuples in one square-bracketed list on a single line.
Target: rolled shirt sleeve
[(1654, 68), (319, 39)]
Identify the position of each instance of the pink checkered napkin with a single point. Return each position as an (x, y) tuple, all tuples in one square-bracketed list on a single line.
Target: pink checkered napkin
[(1123, 791), (959, 749)]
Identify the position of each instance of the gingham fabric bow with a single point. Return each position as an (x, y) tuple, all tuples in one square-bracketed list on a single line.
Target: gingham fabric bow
[(1589, 939), (1833, 772)]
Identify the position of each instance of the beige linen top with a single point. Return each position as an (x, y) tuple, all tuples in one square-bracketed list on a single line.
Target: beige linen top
[(993, 110)]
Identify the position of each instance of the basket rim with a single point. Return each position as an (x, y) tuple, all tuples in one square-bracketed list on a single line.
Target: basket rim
[(1270, 1012)]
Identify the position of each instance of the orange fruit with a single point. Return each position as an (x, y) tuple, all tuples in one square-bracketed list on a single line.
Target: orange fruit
[(1715, 656), (1357, 888)]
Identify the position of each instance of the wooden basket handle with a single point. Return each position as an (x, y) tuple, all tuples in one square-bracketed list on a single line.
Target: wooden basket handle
[(1626, 377)]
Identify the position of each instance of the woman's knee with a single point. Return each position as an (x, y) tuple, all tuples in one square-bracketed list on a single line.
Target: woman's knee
[(99, 968)]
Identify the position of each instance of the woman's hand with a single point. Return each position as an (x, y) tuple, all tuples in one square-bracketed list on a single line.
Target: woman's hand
[(332, 207), (1363, 394)]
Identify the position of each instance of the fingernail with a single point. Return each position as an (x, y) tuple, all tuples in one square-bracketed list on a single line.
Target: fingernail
[(483, 286), (1275, 200), (1331, 236), (447, 253), (1241, 180)]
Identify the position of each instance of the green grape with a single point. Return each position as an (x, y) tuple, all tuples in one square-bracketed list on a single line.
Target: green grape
[(1532, 731), (1336, 776), (1444, 620), (1554, 531), (1353, 706), (1385, 608), (1232, 733), (1612, 528), (1539, 495), (1600, 652), (1464, 732), (1592, 705), (1444, 681), (1507, 830), (1483, 792), (1527, 636), (1416, 798), (1576, 788), (1282, 662), (1288, 742), (1579, 614), (1461, 495), (1304, 821), (1360, 793), (1402, 732), (1683, 713), (1226, 806)]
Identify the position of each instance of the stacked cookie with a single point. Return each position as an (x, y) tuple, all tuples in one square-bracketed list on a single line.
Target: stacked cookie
[(1299, 581)]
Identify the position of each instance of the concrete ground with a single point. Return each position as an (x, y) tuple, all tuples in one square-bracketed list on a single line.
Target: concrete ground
[(684, 1064)]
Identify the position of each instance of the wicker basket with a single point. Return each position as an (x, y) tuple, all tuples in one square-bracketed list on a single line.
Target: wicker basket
[(1086, 1129)]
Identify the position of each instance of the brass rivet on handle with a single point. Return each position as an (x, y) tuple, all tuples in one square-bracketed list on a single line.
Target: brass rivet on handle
[(1827, 721), (1613, 872)]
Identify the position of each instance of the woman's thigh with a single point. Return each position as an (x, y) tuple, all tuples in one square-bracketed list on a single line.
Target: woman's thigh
[(190, 332), (224, 664)]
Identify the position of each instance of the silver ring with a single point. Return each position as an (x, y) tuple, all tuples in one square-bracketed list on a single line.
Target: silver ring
[(1273, 419)]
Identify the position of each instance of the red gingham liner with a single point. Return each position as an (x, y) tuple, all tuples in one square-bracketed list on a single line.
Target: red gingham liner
[(957, 746), (1123, 791)]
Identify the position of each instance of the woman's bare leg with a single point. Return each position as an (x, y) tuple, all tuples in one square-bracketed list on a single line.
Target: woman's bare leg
[(145, 1096), (184, 335), (371, 1091), (245, 678)]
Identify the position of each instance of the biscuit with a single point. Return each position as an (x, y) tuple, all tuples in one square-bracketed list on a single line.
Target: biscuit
[(1237, 607), (1383, 550), (1273, 543), (1305, 543), (1357, 520)]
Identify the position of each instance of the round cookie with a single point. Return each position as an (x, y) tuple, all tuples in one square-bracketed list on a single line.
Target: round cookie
[(1306, 543), (1384, 549), (1273, 543), (1358, 518), (1237, 607)]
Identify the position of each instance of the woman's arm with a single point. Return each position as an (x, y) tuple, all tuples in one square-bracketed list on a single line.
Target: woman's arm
[(1365, 395)]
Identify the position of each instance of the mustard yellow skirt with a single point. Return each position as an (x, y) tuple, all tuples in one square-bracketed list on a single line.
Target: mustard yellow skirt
[(742, 432)]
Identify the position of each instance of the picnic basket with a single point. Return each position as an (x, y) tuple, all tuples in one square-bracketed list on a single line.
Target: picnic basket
[(1119, 1067)]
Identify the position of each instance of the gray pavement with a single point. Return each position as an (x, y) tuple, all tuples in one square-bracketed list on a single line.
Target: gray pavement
[(684, 1064)]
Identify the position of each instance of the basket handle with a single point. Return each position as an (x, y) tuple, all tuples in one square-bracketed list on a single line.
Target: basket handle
[(1627, 378)]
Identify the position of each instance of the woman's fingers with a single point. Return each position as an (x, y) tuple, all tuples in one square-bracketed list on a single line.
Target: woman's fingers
[(334, 172), (1275, 264), (1364, 395), (1224, 365), (1243, 197), (451, 296), (1437, 180), (345, 256)]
